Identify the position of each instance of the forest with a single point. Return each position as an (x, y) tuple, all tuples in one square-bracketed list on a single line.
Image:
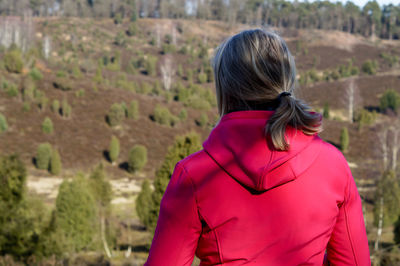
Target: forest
[(100, 99), (369, 20)]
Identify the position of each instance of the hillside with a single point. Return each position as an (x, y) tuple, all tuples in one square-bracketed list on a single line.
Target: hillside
[(91, 64)]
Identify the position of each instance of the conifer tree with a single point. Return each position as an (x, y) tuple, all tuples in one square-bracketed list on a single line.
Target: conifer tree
[(137, 158), (144, 204), (133, 110), (183, 147), (114, 149), (47, 126), (20, 220), (55, 163), (344, 139), (74, 226), (43, 156)]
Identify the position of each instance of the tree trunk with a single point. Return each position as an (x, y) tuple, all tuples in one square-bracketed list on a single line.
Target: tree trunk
[(103, 236), (380, 224)]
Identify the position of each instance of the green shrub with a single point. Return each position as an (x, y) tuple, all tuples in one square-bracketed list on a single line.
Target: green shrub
[(370, 67), (202, 78), (344, 139), (3, 123), (137, 158), (120, 39), (35, 74), (132, 30), (151, 65), (66, 109), (75, 219), (189, 75), (364, 117), (21, 214), (28, 89), (114, 149), (13, 61), (392, 60), (118, 18), (76, 71), (42, 102), (183, 115), (55, 163), (144, 204), (55, 106), (389, 99), (202, 120), (168, 48), (180, 71), (163, 116), (43, 156), (133, 110), (26, 107), (63, 84), (47, 126), (12, 90), (115, 115)]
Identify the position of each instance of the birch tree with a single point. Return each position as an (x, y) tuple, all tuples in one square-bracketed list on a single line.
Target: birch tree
[(351, 98), (167, 72), (383, 142)]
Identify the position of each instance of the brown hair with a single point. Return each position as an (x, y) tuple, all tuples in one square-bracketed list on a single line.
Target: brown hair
[(252, 69)]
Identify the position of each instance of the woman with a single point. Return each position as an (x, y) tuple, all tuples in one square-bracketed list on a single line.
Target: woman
[(265, 189)]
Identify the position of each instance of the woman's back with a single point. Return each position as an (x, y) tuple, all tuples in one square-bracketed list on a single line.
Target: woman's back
[(238, 202), (265, 190)]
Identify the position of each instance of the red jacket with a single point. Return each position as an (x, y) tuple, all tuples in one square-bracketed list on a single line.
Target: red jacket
[(237, 202)]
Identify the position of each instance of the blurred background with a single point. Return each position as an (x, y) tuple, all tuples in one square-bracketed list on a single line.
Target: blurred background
[(99, 99)]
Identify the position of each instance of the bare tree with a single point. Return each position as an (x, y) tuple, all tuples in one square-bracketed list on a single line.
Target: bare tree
[(351, 98), (383, 141), (380, 224), (395, 129), (167, 72), (46, 47)]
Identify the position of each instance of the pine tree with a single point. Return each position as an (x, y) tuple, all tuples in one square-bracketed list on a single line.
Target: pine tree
[(144, 204), (55, 163), (20, 219), (74, 225), (137, 158), (183, 147), (344, 139), (115, 115), (133, 110), (47, 126), (114, 149), (43, 156)]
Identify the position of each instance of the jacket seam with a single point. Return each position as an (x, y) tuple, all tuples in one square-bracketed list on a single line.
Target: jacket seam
[(198, 211), (346, 218)]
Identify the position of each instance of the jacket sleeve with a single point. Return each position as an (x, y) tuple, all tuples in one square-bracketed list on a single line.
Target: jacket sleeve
[(178, 226), (348, 244)]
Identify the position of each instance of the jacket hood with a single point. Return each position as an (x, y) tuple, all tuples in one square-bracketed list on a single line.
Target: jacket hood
[(238, 145)]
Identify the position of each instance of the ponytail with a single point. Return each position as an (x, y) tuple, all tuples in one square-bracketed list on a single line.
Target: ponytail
[(293, 112)]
